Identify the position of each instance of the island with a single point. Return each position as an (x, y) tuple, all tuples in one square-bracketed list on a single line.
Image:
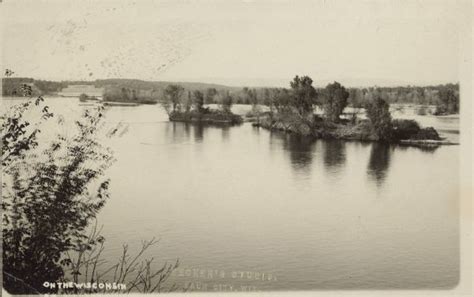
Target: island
[(407, 132), (191, 109), (293, 111)]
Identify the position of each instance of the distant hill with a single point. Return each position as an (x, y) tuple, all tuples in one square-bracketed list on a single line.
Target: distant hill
[(11, 85), (141, 84)]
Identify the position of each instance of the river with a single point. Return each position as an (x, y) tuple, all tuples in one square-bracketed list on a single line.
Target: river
[(243, 208)]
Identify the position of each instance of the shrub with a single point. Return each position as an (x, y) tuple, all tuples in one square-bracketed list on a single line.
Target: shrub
[(404, 129), (428, 133)]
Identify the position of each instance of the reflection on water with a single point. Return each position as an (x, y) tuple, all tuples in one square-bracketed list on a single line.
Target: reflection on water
[(380, 156), (194, 132), (300, 149), (379, 162), (324, 215), (426, 149), (334, 153), (175, 131), (187, 130), (198, 132), (225, 132)]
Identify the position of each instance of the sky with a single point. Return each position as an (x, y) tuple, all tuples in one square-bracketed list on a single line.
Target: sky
[(239, 43)]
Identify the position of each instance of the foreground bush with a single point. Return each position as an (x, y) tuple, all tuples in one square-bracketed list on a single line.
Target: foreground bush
[(49, 195), (52, 188)]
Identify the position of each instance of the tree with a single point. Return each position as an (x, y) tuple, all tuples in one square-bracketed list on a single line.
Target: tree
[(282, 101), (250, 96), (210, 95), (267, 98), (304, 95), (198, 100), (448, 102), (254, 100), (268, 101), (188, 103), (380, 118), (173, 95), (125, 94), (334, 101), (356, 98), (226, 103)]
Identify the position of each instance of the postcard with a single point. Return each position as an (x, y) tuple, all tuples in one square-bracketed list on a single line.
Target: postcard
[(251, 147)]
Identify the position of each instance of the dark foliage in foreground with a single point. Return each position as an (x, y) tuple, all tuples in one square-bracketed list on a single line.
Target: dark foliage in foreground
[(49, 198), (52, 190)]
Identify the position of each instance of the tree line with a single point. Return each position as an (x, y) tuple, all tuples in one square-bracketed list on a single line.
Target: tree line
[(176, 99), (444, 96)]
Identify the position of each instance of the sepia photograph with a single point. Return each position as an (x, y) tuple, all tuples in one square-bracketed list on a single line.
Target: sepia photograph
[(236, 146)]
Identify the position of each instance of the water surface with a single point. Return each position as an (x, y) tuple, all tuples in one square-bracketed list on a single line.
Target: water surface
[(242, 206)]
